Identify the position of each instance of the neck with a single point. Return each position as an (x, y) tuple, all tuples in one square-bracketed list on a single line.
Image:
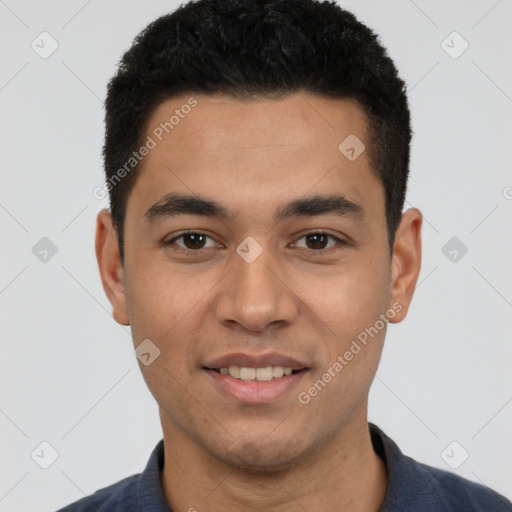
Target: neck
[(346, 471)]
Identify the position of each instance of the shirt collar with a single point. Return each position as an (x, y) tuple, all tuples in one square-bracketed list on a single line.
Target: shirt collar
[(150, 494), (409, 484)]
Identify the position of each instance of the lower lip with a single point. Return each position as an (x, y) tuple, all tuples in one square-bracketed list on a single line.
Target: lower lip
[(255, 391)]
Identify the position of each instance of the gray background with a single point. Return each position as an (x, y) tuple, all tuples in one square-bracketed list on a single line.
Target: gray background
[(68, 373)]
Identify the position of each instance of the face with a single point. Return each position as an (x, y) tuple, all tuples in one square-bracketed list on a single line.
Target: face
[(252, 242)]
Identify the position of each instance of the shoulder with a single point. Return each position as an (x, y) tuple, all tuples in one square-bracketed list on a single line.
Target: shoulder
[(427, 488), (416, 487), (465, 495), (117, 497), (142, 491)]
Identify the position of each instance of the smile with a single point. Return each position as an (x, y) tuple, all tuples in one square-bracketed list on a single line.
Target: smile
[(253, 385), (261, 374)]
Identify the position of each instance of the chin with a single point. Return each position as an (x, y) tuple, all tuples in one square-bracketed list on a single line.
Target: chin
[(262, 456)]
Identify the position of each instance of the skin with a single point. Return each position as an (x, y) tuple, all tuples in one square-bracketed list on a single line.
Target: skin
[(303, 302)]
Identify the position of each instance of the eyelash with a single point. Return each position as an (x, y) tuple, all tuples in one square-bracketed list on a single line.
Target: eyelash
[(339, 241)]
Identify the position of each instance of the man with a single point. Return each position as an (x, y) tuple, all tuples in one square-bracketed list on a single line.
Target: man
[(257, 157)]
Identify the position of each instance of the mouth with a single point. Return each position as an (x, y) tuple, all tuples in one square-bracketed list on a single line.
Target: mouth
[(262, 374), (259, 379)]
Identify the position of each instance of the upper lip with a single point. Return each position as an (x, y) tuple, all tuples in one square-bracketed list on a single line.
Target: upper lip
[(255, 361)]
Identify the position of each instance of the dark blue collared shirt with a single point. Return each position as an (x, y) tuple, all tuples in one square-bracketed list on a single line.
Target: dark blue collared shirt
[(412, 487)]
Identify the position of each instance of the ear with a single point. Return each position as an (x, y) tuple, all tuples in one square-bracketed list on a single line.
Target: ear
[(109, 263), (406, 262)]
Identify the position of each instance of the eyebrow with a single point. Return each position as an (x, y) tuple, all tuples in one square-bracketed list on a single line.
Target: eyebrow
[(175, 204)]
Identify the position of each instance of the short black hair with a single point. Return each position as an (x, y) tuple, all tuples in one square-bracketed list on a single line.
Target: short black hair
[(258, 49)]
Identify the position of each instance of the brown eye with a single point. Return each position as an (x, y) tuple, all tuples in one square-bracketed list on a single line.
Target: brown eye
[(190, 241), (194, 241), (319, 241)]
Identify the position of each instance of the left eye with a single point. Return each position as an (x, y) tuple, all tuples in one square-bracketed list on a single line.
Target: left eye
[(318, 240), (315, 241)]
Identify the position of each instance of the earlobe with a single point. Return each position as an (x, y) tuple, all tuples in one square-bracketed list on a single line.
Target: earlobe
[(110, 267), (406, 262)]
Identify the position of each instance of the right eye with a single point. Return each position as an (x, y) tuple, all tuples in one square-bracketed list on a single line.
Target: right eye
[(192, 241)]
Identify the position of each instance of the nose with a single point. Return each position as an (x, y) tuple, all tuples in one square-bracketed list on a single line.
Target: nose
[(256, 296)]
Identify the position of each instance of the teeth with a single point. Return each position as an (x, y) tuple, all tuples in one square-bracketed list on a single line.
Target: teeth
[(234, 371), (261, 374), (277, 372), (264, 373), (247, 373)]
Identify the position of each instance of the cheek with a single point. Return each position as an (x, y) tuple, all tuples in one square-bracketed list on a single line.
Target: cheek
[(157, 299), (347, 317), (346, 299), (169, 308)]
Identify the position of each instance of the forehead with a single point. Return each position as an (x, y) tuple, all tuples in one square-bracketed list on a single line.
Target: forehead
[(243, 150), (217, 122)]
